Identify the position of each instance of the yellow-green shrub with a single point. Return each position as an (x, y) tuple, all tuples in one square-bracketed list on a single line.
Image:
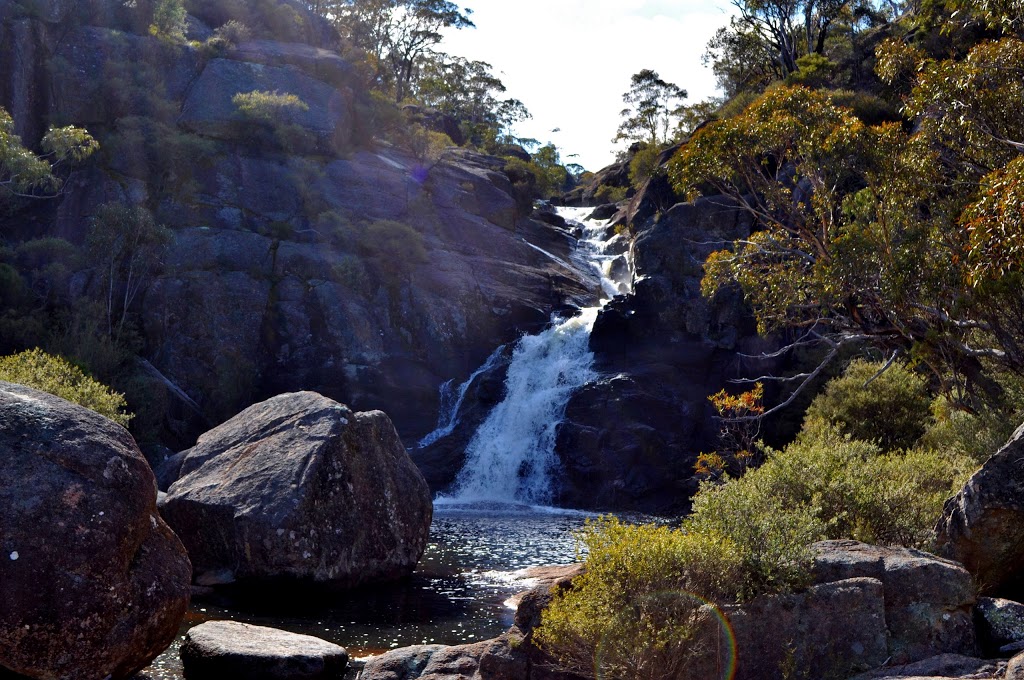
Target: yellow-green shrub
[(37, 369), (893, 410), (636, 611)]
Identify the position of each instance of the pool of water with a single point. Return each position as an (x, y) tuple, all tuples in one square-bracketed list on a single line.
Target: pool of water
[(457, 595)]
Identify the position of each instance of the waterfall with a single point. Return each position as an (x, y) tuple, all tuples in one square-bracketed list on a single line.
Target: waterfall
[(451, 402), (511, 457)]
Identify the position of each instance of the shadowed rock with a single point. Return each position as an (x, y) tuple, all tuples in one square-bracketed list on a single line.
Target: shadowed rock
[(92, 582), (300, 488), (983, 525)]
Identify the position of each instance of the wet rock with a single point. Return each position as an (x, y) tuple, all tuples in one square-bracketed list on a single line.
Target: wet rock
[(928, 600), (941, 666), (228, 649), (299, 488), (983, 525), (93, 583), (999, 622)]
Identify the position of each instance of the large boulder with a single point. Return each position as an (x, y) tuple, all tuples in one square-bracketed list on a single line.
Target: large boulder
[(230, 649), (983, 525), (93, 583), (299, 488), (928, 600)]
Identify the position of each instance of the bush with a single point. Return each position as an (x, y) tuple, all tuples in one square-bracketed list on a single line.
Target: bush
[(609, 194), (34, 368), (893, 410), (643, 165), (771, 533), (637, 610), (849, 487), (271, 118)]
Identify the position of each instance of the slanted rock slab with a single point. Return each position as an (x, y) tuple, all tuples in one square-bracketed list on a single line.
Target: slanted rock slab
[(300, 488), (93, 584), (228, 649)]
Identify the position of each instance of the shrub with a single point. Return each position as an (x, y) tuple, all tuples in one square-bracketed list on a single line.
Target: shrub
[(34, 368), (637, 610), (394, 240), (771, 533), (892, 409), (271, 117), (609, 194), (643, 165), (849, 487)]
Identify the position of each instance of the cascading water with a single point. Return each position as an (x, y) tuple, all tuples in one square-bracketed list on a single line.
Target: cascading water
[(451, 401), (511, 457)]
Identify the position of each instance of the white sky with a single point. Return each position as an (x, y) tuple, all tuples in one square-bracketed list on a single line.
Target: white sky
[(570, 61)]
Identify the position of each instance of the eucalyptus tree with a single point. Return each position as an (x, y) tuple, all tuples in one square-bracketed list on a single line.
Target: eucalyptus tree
[(651, 111)]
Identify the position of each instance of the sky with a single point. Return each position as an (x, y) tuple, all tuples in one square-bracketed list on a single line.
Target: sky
[(570, 61)]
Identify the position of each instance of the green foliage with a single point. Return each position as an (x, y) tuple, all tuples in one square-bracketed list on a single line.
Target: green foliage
[(125, 245), (651, 111), (890, 408), (542, 176), (53, 374), (644, 165), (606, 193), (396, 241), (271, 119), (636, 611), (813, 70), (169, 17), (772, 533), (23, 172)]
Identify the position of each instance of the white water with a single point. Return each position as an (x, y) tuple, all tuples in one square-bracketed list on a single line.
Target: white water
[(451, 402), (511, 457)]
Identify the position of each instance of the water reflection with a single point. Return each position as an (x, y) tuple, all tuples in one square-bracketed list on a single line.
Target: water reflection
[(457, 595)]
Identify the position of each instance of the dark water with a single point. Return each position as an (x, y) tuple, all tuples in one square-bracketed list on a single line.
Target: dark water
[(457, 594)]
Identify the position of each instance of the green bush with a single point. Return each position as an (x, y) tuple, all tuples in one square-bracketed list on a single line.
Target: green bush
[(34, 368), (771, 533), (850, 488), (270, 119), (637, 610), (609, 194), (643, 165), (396, 241), (893, 410)]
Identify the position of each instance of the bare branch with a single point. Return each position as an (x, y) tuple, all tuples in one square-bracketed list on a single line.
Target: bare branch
[(883, 369)]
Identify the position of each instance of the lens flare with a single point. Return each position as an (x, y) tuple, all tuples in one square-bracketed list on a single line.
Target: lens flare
[(699, 657)]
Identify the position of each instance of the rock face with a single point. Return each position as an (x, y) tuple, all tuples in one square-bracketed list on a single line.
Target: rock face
[(93, 583), (300, 488), (983, 525), (630, 439), (229, 649), (941, 666), (999, 622), (367, 272)]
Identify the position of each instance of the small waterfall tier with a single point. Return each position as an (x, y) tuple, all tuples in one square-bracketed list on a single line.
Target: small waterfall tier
[(511, 457)]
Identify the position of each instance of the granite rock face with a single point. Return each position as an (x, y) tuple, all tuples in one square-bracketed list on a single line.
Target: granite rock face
[(93, 582), (983, 525), (300, 489)]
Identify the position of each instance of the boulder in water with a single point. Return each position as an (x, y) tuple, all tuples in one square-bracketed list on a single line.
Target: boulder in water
[(300, 488), (93, 583), (228, 649)]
